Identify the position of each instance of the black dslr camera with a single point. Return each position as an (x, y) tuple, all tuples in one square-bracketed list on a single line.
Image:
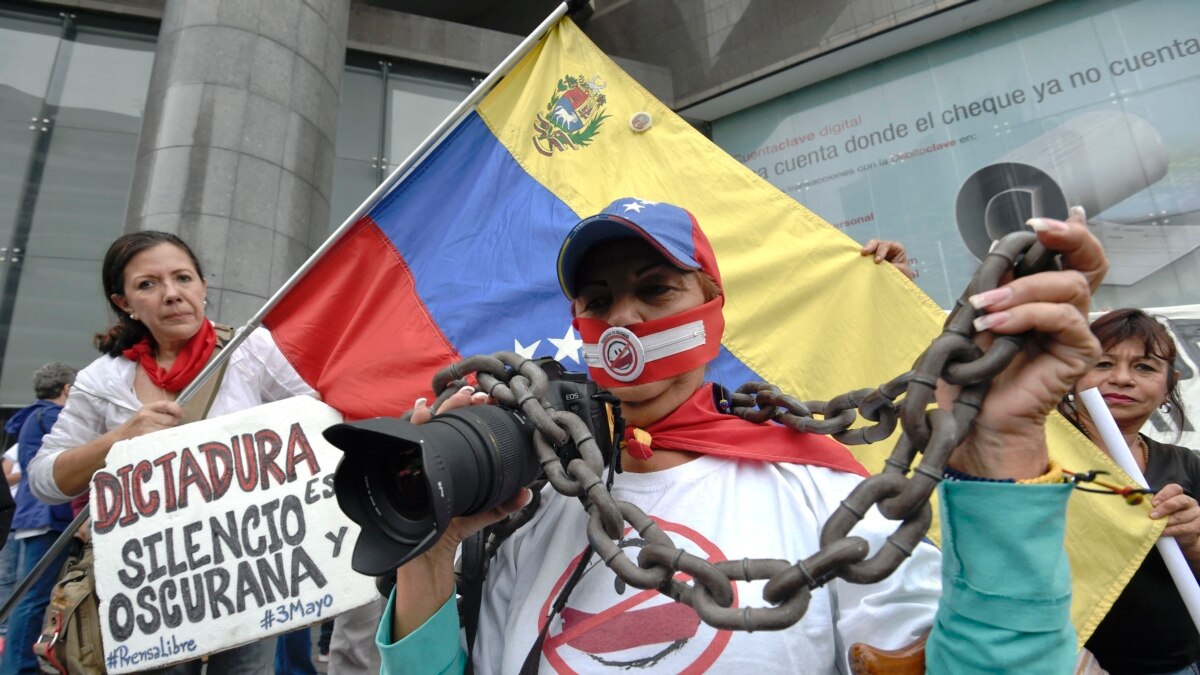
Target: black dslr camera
[(403, 482)]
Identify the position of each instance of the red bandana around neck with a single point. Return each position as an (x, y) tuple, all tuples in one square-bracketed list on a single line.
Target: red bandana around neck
[(697, 426), (188, 363)]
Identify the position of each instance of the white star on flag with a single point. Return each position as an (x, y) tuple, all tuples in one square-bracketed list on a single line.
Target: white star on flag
[(526, 352), (568, 346), (633, 206)]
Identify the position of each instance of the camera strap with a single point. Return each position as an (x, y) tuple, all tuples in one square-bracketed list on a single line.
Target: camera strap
[(473, 569), (534, 658), (477, 552)]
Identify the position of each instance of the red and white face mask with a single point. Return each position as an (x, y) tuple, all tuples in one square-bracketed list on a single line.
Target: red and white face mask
[(622, 356)]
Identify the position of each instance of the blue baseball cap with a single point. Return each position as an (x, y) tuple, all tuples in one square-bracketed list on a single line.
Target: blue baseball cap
[(669, 229)]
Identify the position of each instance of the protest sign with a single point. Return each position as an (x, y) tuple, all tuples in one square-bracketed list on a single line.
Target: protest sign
[(220, 533)]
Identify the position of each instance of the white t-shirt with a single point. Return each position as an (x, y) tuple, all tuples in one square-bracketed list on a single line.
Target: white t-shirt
[(719, 509), (12, 456), (257, 373)]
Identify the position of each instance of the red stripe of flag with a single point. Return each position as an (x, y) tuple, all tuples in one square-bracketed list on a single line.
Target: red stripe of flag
[(356, 331)]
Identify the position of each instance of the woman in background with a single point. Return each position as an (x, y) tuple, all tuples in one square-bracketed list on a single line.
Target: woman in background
[(1148, 629), (159, 343)]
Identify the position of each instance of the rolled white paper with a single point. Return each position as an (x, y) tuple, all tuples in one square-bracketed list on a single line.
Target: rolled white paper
[(1168, 548)]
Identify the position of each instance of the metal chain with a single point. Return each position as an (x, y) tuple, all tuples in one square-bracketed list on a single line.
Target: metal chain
[(518, 383)]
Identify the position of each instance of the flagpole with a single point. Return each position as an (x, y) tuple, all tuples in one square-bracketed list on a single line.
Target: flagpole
[(452, 120)]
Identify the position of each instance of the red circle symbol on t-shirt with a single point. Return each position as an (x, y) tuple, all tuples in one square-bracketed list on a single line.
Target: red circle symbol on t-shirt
[(641, 629)]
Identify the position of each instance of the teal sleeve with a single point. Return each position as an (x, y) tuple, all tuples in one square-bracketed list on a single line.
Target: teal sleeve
[(1006, 583), (432, 648)]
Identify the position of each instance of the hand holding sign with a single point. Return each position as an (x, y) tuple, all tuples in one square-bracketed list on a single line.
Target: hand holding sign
[(150, 418)]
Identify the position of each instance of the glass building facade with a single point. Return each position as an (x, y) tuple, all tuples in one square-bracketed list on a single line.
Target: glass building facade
[(73, 90), (948, 146), (72, 93), (387, 110)]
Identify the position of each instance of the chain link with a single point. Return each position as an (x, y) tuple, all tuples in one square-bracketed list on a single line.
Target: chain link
[(900, 491)]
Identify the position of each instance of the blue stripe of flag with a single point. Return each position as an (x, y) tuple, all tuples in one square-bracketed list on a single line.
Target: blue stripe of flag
[(481, 238)]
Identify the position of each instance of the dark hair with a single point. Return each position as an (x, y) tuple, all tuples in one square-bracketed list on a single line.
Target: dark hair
[(1129, 323), (127, 332), (49, 380)]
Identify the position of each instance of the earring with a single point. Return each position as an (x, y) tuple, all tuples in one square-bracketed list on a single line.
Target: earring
[(133, 316), (206, 301), (1070, 398), (1165, 408)]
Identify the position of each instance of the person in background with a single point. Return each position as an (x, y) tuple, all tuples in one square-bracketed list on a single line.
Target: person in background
[(8, 554), (351, 648), (293, 653), (890, 251), (1148, 629), (12, 470), (35, 525), (160, 341)]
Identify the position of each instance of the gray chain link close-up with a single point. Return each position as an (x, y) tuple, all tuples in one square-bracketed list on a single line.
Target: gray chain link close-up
[(520, 384)]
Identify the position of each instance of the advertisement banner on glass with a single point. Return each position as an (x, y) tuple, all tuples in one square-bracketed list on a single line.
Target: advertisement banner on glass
[(949, 146)]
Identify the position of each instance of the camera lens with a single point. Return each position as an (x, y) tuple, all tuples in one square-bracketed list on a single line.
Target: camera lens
[(397, 495), (403, 482), (407, 489)]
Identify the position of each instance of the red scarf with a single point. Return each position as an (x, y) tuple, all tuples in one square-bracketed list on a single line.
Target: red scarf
[(188, 363), (698, 426)]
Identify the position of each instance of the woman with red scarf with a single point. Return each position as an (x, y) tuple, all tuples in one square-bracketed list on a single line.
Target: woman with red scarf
[(646, 293), (159, 343)]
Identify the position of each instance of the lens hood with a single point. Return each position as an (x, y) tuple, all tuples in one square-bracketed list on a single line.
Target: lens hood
[(363, 482), (404, 482)]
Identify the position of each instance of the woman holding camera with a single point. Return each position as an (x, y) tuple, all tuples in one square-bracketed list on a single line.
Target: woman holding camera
[(723, 487), (159, 343)]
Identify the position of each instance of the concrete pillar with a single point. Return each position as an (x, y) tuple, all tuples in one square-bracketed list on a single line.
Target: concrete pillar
[(237, 145)]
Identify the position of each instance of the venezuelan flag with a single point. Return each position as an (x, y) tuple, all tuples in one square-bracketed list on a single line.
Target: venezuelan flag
[(459, 259)]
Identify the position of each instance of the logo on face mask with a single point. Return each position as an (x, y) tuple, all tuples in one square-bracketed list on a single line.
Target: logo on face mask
[(621, 354)]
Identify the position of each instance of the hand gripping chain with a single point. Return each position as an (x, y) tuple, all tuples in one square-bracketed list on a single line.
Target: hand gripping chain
[(519, 384)]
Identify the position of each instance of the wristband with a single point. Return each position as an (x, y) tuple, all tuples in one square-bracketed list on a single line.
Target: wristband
[(950, 473), (1054, 474)]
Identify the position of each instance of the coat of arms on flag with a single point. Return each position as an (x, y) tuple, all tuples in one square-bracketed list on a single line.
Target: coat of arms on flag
[(572, 117)]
